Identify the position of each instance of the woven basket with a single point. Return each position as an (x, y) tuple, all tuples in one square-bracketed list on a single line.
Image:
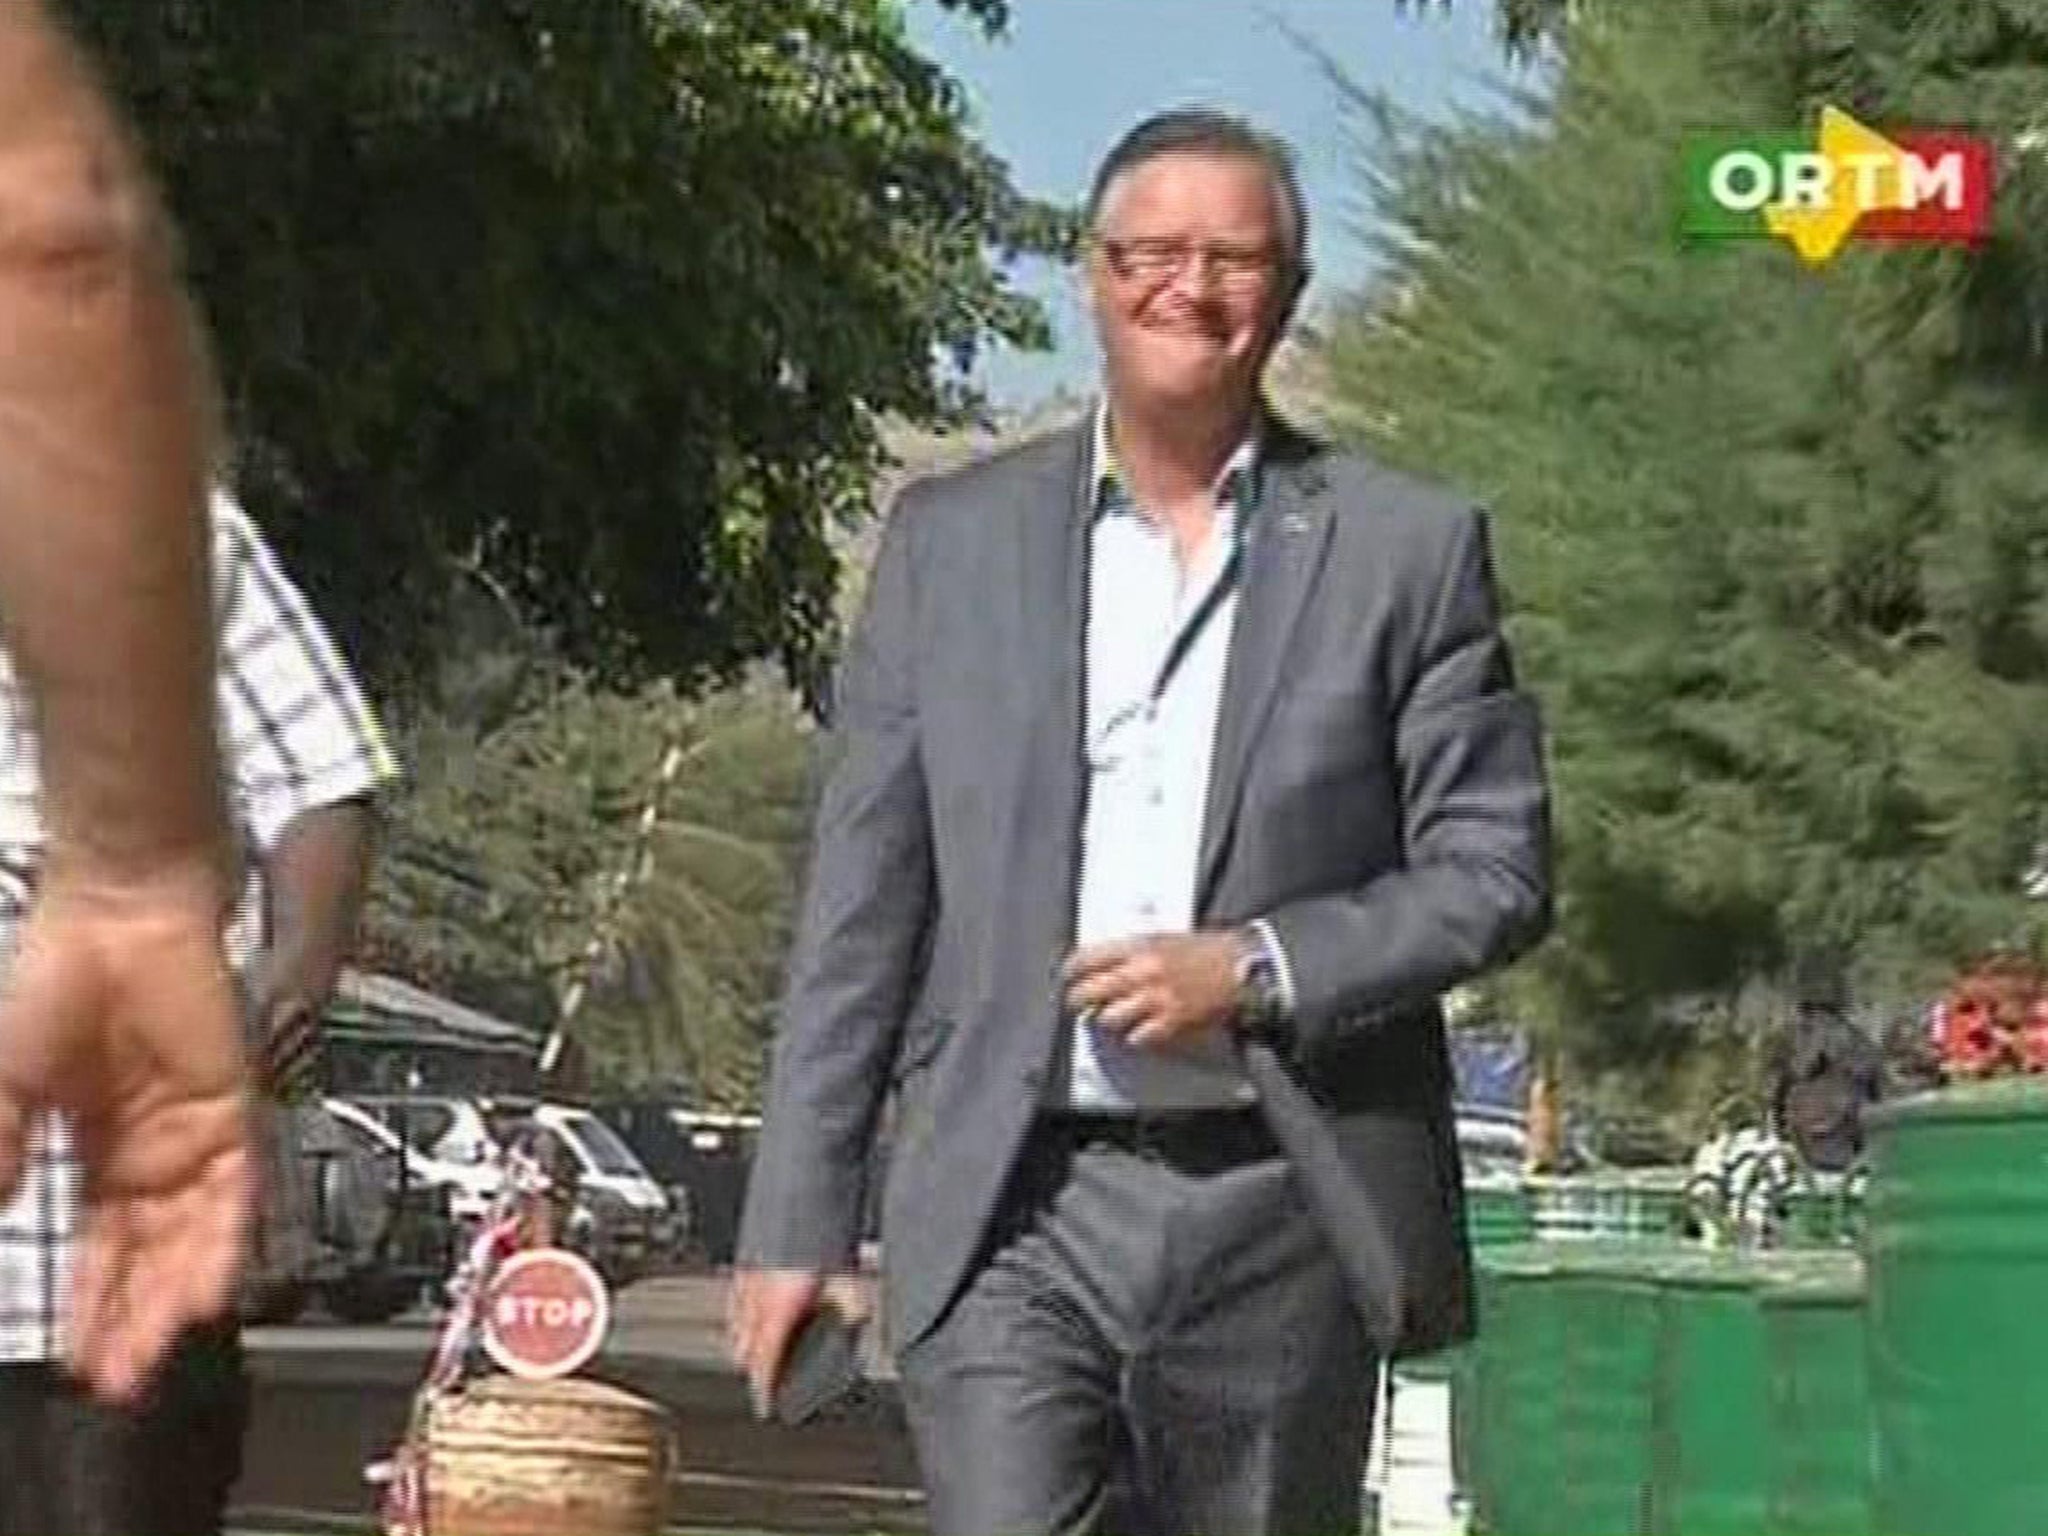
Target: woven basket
[(508, 1457)]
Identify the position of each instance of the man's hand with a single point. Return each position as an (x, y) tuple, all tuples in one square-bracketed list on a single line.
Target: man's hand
[(765, 1308), (317, 872), (1157, 990), (119, 1011), (288, 1026), (287, 1069)]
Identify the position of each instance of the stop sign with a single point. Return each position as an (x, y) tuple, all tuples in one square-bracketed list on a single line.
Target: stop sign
[(545, 1314)]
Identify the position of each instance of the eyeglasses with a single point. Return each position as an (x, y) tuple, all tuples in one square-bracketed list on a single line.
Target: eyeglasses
[(1160, 258)]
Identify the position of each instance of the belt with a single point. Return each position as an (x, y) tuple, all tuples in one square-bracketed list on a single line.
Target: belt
[(1190, 1139)]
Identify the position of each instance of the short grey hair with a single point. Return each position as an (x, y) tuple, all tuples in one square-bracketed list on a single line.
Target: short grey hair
[(1207, 131)]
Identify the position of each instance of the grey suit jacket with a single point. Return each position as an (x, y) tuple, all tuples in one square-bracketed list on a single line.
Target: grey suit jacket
[(1377, 793)]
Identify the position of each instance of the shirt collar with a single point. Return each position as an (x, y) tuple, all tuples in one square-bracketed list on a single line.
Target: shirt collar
[(1237, 486)]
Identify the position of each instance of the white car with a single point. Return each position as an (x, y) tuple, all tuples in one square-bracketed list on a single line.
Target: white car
[(472, 1183), (622, 1217), (628, 1218), (605, 1161), (445, 1127)]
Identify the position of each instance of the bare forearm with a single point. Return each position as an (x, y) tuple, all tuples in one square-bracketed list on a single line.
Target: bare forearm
[(317, 876), (103, 457)]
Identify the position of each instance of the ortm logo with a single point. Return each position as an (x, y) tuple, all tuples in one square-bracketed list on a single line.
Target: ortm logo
[(1929, 186)]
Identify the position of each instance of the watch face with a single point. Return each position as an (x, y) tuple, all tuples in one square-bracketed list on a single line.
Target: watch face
[(1258, 991)]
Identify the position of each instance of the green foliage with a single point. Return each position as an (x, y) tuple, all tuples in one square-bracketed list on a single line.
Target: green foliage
[(707, 933), (1525, 25), (504, 841), (1774, 539), (601, 298)]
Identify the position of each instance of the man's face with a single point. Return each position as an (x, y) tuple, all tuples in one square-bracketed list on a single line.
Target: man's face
[(1191, 278)]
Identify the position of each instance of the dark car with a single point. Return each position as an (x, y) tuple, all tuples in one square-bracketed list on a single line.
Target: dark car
[(381, 1238), (704, 1157), (701, 1156)]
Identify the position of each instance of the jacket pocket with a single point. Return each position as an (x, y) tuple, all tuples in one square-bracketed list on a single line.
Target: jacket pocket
[(923, 1039)]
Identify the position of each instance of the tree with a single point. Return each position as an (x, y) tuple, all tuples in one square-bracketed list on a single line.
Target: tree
[(704, 940), (598, 300), (1525, 25), (521, 812), (557, 336), (1774, 553)]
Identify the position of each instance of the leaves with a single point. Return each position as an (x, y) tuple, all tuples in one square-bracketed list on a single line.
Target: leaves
[(604, 298), (1774, 540), (557, 336), (509, 835)]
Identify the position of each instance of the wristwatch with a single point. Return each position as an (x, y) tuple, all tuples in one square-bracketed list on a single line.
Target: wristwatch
[(1261, 1000)]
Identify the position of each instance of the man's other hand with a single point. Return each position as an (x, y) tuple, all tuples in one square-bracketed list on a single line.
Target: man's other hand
[(1159, 991), (288, 1027), (120, 1012), (288, 1069), (764, 1309)]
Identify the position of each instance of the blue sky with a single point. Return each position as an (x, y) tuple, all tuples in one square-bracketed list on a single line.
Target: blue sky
[(1072, 75)]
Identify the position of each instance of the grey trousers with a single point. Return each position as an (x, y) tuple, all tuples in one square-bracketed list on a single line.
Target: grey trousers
[(1155, 1343)]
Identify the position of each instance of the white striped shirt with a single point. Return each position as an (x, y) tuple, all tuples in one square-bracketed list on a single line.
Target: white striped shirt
[(296, 733)]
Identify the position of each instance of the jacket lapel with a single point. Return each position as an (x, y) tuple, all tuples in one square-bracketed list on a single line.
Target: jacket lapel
[(1049, 633), (1286, 540)]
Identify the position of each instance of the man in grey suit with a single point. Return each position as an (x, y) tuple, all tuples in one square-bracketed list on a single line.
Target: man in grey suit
[(1181, 768)]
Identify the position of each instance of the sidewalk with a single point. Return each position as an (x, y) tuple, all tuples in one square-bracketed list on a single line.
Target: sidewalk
[(1411, 1460), (328, 1400)]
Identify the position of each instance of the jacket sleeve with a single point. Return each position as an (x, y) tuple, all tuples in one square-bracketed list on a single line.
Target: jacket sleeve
[(1474, 887), (867, 904)]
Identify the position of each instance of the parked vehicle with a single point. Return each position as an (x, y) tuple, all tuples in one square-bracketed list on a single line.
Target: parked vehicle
[(628, 1220), (471, 1186), (448, 1128), (379, 1235), (1492, 1145), (409, 1258), (618, 1214), (701, 1158)]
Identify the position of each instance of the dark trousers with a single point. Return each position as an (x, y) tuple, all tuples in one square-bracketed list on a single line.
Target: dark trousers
[(70, 1466), (1156, 1343)]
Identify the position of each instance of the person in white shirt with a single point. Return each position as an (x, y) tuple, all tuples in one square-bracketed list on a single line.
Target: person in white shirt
[(305, 762), (119, 1008)]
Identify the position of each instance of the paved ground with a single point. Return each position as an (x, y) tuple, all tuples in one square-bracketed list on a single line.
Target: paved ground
[(681, 1317), (331, 1398)]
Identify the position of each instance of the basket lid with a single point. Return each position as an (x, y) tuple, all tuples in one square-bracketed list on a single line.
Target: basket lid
[(565, 1394)]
